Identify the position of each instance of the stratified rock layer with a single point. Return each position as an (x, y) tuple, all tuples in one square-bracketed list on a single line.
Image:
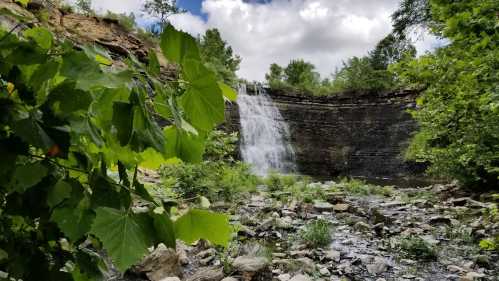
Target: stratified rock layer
[(355, 134)]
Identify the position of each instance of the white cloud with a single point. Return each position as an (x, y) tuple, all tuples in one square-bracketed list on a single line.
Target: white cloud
[(324, 32)]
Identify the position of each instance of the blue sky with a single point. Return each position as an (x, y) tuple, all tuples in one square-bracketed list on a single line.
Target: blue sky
[(323, 32)]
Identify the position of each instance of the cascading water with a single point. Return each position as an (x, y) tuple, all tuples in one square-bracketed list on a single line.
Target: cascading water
[(265, 135)]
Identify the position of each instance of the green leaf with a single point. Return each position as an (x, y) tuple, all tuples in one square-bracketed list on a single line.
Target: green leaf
[(184, 146), (30, 131), (67, 99), (57, 193), (164, 230), (227, 91), (153, 67), (78, 67), (42, 36), (28, 175), (3, 255), (178, 45), (23, 2), (73, 219), (203, 102), (124, 236), (204, 202), (200, 224), (105, 193), (123, 121), (98, 54)]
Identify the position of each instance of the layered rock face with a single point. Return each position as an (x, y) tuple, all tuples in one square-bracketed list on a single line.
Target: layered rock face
[(352, 134)]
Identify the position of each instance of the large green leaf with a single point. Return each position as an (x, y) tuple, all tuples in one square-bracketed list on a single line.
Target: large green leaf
[(78, 67), (124, 236), (28, 175), (30, 131), (182, 145), (123, 121), (42, 36), (66, 99), (227, 91), (201, 224), (178, 45), (164, 230), (58, 192), (203, 102), (74, 220)]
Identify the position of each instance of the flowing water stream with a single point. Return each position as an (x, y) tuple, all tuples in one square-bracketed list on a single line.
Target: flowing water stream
[(265, 142)]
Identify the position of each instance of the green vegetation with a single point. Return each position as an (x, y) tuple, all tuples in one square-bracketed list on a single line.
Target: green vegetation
[(68, 117), (127, 21), (360, 187), (217, 178), (417, 248), (219, 56), (369, 73), (459, 109), (162, 9), (317, 233), (84, 7)]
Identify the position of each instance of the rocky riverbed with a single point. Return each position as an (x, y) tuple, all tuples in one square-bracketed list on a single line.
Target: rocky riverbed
[(429, 233)]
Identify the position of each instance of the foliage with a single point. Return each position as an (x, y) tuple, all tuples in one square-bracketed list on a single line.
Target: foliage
[(458, 111), (411, 14), (68, 115), (298, 75), (490, 244), (126, 21), (416, 247), (219, 56), (85, 7), (360, 187), (317, 233), (215, 181), (279, 182), (390, 50), (162, 9), (218, 177)]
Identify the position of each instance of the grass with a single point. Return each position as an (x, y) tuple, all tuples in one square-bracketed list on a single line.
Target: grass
[(417, 248), (317, 233), (360, 187)]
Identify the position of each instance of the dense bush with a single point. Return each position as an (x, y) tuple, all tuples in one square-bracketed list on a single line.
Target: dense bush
[(459, 109)]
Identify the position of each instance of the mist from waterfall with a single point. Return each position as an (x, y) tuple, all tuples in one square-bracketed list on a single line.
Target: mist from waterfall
[(265, 142)]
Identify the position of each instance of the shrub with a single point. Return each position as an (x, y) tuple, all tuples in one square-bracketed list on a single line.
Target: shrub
[(360, 187), (279, 182), (317, 233), (417, 248)]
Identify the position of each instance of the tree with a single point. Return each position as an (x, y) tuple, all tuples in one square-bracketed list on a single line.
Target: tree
[(275, 76), (301, 73), (162, 9), (459, 107), (390, 50), (85, 6), (411, 14), (219, 56)]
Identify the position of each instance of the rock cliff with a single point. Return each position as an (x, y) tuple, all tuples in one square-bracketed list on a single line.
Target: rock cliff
[(353, 134)]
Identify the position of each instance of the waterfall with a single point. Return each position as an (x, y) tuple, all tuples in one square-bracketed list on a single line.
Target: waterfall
[(265, 135)]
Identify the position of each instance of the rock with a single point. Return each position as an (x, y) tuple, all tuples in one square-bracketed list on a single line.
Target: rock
[(182, 253), (362, 226), (284, 277), (161, 263), (341, 207), (454, 268), (170, 279), (435, 220), (301, 277), (333, 255), (207, 274), (324, 272), (246, 231), (229, 279), (206, 253), (322, 206), (250, 264), (472, 276), (378, 266), (253, 268), (306, 264), (482, 260)]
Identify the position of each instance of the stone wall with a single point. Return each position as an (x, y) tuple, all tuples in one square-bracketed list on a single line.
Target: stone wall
[(353, 134)]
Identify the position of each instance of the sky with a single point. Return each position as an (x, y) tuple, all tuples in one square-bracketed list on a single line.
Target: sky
[(323, 32)]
